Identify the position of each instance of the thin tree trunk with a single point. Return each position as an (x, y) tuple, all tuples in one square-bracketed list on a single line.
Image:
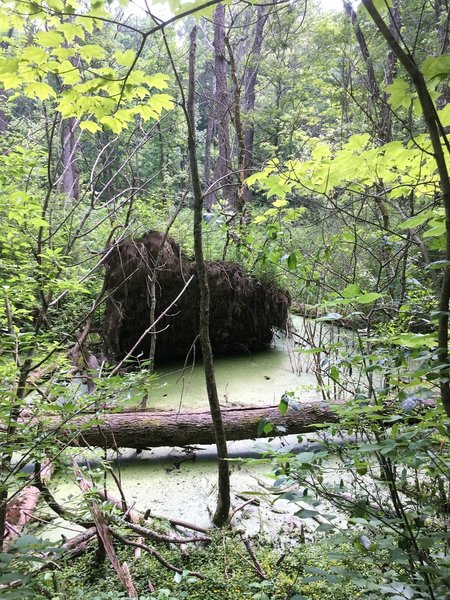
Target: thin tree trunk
[(240, 200), (3, 117), (162, 157), (442, 12), (222, 185), (250, 81), (210, 133), (70, 176), (385, 119), (374, 90), (378, 101), (380, 112), (223, 503), (4, 99)]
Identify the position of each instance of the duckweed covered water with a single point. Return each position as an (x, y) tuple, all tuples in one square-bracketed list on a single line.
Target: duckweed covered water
[(181, 483)]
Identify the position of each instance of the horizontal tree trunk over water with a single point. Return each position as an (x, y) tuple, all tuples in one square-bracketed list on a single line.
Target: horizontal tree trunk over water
[(157, 428)]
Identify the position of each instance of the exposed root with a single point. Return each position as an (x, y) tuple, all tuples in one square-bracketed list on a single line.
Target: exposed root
[(244, 310)]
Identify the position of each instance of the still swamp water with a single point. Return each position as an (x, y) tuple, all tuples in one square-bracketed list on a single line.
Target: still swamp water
[(182, 483)]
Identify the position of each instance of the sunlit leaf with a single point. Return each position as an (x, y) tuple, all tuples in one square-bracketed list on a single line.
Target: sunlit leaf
[(125, 58), (35, 54), (292, 261), (113, 124), (40, 90), (92, 51), (351, 291), (416, 220), (72, 31), (90, 126), (357, 141), (280, 203), (415, 340), (159, 102), (436, 66), (49, 39), (437, 230), (399, 94), (283, 406)]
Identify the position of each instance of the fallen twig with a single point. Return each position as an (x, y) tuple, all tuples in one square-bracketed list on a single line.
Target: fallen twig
[(161, 537), (240, 507), (176, 522), (155, 554), (79, 540), (256, 565), (133, 519)]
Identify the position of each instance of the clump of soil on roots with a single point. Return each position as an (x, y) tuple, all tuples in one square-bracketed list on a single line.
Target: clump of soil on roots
[(244, 310)]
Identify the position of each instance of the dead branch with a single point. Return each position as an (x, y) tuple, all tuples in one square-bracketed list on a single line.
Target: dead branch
[(179, 523), (123, 572), (161, 537), (256, 565), (240, 507), (133, 519), (155, 554)]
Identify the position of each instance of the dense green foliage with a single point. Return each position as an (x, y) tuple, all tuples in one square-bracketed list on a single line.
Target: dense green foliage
[(228, 574)]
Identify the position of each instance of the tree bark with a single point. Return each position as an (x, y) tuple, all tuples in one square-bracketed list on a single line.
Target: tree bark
[(151, 429), (223, 501), (221, 108), (250, 80), (70, 176), (210, 133), (239, 196)]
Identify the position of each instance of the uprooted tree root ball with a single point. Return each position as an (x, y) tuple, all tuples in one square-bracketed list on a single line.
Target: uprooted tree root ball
[(244, 310)]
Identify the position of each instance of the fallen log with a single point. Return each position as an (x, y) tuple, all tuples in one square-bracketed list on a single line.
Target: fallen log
[(150, 429)]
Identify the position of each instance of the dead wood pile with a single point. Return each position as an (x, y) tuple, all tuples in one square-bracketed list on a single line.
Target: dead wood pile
[(244, 310)]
